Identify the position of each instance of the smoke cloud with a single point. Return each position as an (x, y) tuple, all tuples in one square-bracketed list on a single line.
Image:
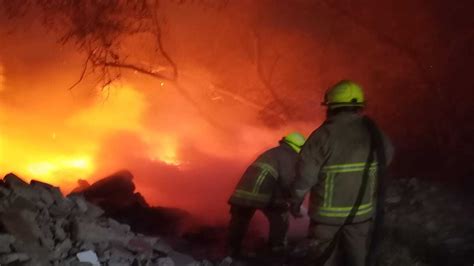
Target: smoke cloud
[(188, 143)]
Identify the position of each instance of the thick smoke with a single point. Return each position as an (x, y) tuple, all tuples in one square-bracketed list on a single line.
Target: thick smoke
[(248, 74)]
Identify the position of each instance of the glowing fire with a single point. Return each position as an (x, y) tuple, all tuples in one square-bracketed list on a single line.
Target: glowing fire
[(72, 150), (164, 148)]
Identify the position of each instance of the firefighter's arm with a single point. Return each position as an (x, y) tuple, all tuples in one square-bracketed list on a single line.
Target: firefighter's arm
[(312, 156)]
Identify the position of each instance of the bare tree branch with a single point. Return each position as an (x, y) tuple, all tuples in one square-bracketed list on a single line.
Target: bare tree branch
[(266, 81), (136, 68), (83, 73), (160, 42), (246, 102)]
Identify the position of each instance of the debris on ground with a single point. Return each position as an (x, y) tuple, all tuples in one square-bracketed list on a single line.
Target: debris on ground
[(39, 226)]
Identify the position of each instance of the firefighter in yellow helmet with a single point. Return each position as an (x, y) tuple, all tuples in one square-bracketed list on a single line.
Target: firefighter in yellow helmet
[(340, 165), (265, 186)]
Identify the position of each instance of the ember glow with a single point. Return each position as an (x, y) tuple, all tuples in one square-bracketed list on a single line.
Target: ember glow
[(174, 153), (60, 152)]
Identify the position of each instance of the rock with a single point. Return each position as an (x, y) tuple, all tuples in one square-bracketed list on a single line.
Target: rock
[(206, 263), (21, 223), (12, 180), (180, 259), (61, 250), (79, 263), (91, 232), (88, 256), (80, 203), (93, 211), (59, 233), (227, 261), (162, 247), (13, 257), (414, 183), (47, 242), (139, 245), (48, 193), (81, 185), (61, 208), (119, 255), (393, 199), (116, 187), (21, 188), (5, 241), (50, 229), (118, 227), (86, 246), (4, 192), (166, 261)]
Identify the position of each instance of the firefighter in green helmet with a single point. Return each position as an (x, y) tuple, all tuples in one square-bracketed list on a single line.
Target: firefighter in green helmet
[(265, 186), (339, 166)]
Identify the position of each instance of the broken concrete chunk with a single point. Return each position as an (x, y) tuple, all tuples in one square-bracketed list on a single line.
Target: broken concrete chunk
[(86, 246), (206, 263), (59, 233), (48, 193), (93, 211), (13, 180), (120, 255), (47, 242), (227, 261), (180, 259), (4, 192), (166, 261), (61, 250), (13, 257), (21, 188), (162, 247), (61, 208), (91, 232), (88, 256), (78, 263), (80, 203), (139, 245), (6, 239), (21, 223)]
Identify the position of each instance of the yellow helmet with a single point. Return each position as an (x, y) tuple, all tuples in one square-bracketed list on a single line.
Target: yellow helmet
[(296, 140), (344, 93)]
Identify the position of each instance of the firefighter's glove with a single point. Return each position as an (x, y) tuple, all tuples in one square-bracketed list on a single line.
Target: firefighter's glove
[(295, 210)]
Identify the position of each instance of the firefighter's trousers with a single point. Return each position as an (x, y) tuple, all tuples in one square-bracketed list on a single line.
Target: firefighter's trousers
[(351, 245), (278, 219)]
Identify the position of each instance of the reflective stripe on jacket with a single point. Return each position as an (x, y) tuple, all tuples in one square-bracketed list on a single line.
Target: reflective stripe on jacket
[(267, 180), (331, 166)]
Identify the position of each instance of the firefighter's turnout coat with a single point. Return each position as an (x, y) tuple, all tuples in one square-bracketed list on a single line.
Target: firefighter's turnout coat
[(267, 180), (331, 166)]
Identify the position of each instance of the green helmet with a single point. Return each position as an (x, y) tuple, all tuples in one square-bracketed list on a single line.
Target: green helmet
[(344, 93), (295, 140)]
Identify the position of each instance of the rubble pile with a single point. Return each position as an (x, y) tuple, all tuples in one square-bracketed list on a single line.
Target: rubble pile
[(116, 195), (427, 224), (39, 226)]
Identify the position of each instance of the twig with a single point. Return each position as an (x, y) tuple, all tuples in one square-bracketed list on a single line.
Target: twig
[(266, 81), (83, 74)]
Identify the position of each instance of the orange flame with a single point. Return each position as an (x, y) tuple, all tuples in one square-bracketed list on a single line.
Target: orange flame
[(61, 157)]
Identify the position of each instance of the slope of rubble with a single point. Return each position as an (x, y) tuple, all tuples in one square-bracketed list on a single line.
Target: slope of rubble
[(427, 223), (39, 226)]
